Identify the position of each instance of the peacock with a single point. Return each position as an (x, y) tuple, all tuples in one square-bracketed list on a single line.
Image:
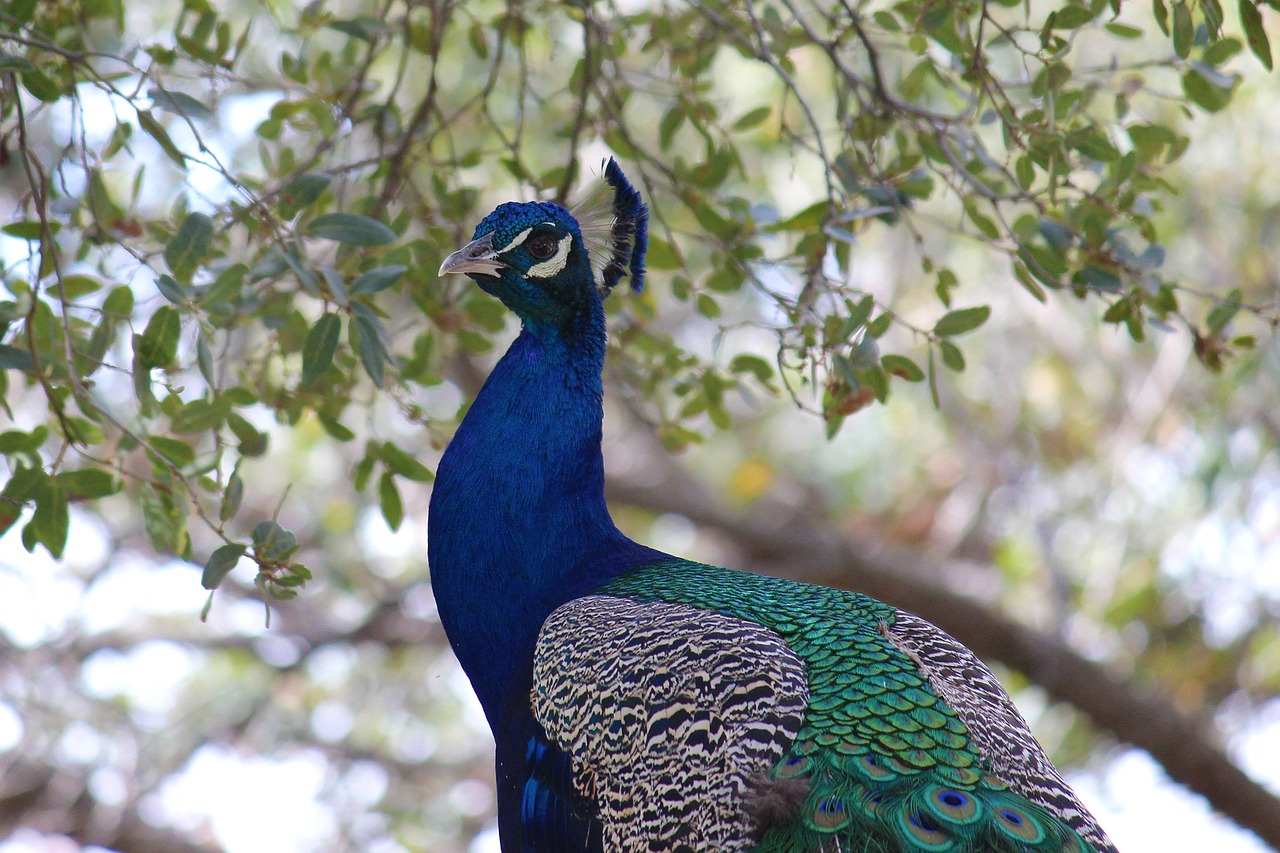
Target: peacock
[(642, 702)]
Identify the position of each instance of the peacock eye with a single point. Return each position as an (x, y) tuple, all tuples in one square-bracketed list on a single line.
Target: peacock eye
[(542, 247)]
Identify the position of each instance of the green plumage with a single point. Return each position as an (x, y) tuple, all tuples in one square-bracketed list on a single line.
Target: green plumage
[(889, 765)]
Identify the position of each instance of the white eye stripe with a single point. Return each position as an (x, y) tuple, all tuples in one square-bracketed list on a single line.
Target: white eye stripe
[(556, 262), (520, 238)]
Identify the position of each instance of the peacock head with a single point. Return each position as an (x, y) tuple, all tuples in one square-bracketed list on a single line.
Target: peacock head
[(546, 262)]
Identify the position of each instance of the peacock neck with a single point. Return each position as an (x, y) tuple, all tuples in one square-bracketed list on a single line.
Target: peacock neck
[(518, 523)]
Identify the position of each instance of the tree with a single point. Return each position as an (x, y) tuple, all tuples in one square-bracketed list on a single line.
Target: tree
[(224, 342)]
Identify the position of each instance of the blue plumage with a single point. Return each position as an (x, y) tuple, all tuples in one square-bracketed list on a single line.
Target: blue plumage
[(644, 703), (630, 231)]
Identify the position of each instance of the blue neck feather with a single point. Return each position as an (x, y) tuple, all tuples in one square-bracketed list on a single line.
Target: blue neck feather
[(518, 523)]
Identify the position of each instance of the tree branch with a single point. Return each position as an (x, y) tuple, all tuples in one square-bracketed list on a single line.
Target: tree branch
[(814, 551)]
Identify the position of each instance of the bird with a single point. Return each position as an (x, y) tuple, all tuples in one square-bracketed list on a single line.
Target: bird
[(644, 702)]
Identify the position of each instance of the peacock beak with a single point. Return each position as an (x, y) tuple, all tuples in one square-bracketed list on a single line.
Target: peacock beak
[(478, 256)]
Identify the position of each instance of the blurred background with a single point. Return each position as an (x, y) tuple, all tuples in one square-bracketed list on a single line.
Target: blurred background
[(810, 385)]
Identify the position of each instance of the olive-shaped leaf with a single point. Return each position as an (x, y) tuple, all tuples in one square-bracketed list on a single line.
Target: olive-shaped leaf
[(351, 228)]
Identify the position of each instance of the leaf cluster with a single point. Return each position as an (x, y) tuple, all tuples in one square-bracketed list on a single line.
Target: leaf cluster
[(184, 281)]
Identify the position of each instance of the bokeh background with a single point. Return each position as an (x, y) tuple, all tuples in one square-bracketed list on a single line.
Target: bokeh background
[(1103, 475)]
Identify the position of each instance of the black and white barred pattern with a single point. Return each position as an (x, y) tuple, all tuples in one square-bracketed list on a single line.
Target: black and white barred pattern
[(670, 714), (998, 729)]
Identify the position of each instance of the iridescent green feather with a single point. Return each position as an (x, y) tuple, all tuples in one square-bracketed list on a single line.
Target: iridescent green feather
[(890, 766)]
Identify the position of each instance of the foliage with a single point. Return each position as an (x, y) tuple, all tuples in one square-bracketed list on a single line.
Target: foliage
[(981, 119), (225, 224)]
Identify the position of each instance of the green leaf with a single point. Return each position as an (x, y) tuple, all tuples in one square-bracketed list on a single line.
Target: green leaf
[(887, 21), (204, 359), (378, 279), (320, 347), (1092, 143), (877, 380), (1026, 172), (336, 286), (707, 306), (933, 380), (179, 103), (85, 484), (170, 288), (389, 497), (351, 228), (753, 118), (25, 484), (156, 131), (119, 302), (1119, 312), (661, 255), (189, 246), (1124, 31), (962, 320), (51, 520), (198, 416), (30, 229), (41, 85), (845, 370), (900, 365), (372, 354), (302, 191), (809, 219), (859, 313), (1255, 34), (22, 11), (1161, 13), (225, 288), (1055, 233), (365, 29), (1212, 11), (1204, 92), (335, 427), (76, 286), (669, 124), (232, 496), (273, 543), (157, 346), (1028, 283), (141, 376), (880, 325), (1221, 50), (753, 364), (400, 462), (951, 356), (364, 469), (252, 441), (1071, 17), (1223, 312), (1099, 278), (981, 221), (865, 354), (1183, 29), (12, 358), (220, 563), (17, 441), (164, 517), (178, 452), (82, 431)]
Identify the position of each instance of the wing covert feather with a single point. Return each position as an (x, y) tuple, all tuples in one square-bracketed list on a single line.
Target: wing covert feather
[(997, 727), (669, 713)]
